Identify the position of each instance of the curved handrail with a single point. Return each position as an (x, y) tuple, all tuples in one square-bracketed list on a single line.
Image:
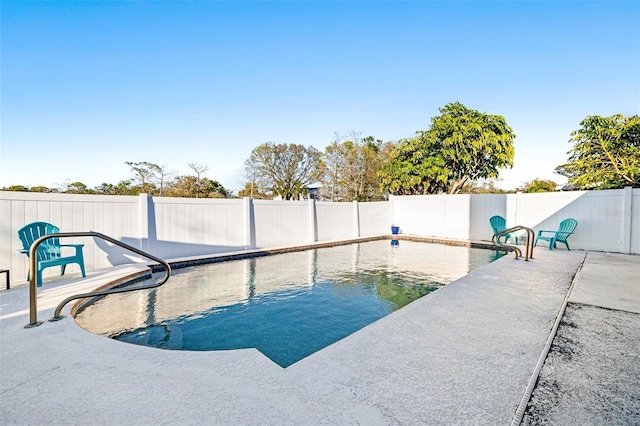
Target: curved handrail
[(33, 311), (528, 247), (515, 249)]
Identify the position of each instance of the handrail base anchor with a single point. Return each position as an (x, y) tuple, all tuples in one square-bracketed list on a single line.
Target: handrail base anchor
[(54, 319), (33, 324)]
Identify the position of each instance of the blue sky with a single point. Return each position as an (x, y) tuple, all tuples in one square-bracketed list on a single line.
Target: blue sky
[(86, 86)]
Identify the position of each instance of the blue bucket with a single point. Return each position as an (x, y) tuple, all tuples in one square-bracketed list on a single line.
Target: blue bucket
[(395, 230)]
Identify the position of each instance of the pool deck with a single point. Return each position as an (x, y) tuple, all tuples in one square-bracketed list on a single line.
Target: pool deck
[(464, 354)]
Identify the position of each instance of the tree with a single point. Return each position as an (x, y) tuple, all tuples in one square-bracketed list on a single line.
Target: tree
[(253, 191), (182, 186), (214, 189), (192, 187), (40, 189), (145, 172), (286, 170), (162, 176), (78, 188), (539, 185), (460, 147), (199, 169), (334, 156), (482, 187), (363, 163), (351, 167), (122, 188), (605, 155), (16, 188)]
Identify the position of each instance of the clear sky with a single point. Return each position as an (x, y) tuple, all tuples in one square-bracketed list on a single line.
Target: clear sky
[(86, 86)]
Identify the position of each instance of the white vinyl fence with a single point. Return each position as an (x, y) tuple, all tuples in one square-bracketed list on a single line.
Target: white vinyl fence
[(183, 227), (607, 220)]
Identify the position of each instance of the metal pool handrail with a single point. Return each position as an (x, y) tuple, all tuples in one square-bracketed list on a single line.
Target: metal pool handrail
[(33, 310), (528, 246)]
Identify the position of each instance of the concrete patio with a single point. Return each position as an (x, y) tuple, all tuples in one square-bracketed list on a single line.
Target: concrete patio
[(465, 354)]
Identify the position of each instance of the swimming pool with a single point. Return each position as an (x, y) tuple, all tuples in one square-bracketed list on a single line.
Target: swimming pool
[(289, 305)]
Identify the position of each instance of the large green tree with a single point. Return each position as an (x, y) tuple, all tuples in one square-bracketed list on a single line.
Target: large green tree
[(461, 146), (605, 155), (284, 169)]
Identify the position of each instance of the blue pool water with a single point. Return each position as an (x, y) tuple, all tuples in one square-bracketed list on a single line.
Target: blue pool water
[(288, 306)]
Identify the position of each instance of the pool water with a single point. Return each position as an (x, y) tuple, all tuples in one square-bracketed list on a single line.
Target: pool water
[(288, 306)]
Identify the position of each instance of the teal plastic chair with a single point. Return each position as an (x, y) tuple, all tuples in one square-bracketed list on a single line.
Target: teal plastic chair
[(499, 224), (50, 251), (565, 229)]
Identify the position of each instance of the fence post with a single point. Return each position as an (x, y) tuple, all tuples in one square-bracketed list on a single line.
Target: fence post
[(356, 219), (626, 219), (313, 221), (513, 201), (143, 218), (249, 224)]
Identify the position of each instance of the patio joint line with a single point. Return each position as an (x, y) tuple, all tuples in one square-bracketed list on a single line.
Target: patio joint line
[(522, 406)]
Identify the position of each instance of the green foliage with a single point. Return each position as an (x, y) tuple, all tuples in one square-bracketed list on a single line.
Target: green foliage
[(213, 189), (251, 190), (192, 187), (122, 188), (41, 189), (351, 168), (78, 188), (539, 185), (149, 178), (460, 147), (16, 188), (482, 187), (144, 172), (286, 170), (606, 153)]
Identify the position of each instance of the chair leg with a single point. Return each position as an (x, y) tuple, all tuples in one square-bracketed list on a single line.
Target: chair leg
[(552, 243), (81, 262), (62, 268)]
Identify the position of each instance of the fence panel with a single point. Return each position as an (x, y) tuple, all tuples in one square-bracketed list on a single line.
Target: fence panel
[(335, 221), (442, 216), (182, 227), (375, 218), (281, 223), (483, 206), (599, 215)]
